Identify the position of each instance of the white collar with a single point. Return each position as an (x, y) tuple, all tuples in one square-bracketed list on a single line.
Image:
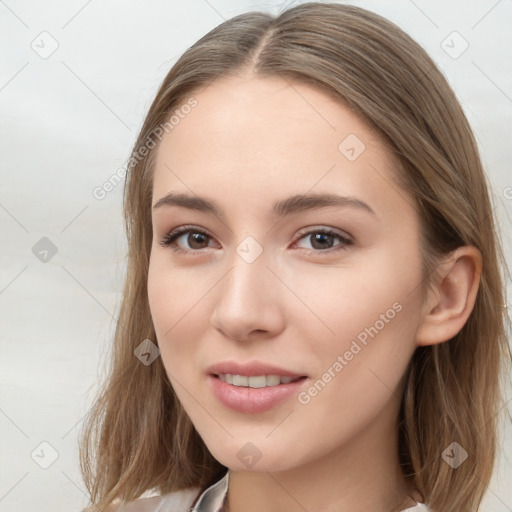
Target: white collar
[(212, 498)]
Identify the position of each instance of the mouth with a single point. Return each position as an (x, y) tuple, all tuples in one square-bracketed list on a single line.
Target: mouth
[(254, 393), (256, 381), (253, 386)]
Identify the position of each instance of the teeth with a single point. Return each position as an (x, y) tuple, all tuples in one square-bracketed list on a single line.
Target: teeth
[(273, 380), (257, 381), (240, 380)]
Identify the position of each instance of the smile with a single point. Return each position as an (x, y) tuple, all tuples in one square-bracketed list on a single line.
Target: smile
[(255, 393), (256, 381)]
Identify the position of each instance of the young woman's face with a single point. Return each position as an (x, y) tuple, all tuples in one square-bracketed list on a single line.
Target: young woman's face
[(326, 290)]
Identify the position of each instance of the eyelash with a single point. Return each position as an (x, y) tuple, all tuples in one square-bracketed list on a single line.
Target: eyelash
[(169, 239)]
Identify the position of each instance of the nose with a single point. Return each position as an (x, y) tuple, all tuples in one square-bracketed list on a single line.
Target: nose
[(249, 302)]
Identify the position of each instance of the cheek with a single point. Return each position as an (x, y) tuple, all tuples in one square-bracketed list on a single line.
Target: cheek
[(358, 368), (172, 302), (173, 293), (365, 314), (339, 303)]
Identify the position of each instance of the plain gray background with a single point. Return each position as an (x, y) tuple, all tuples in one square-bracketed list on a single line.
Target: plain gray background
[(68, 122)]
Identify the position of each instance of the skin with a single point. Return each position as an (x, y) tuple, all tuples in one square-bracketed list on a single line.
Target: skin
[(249, 142)]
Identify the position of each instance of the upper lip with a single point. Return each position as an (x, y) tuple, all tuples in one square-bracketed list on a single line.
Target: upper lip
[(250, 369)]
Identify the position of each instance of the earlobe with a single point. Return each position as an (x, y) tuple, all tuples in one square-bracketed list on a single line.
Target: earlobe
[(450, 301)]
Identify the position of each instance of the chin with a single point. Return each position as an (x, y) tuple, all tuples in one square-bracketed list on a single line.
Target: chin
[(257, 456)]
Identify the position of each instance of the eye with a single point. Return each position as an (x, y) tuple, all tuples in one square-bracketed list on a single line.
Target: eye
[(196, 238), (321, 240)]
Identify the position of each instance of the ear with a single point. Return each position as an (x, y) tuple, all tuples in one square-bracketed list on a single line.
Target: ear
[(451, 298)]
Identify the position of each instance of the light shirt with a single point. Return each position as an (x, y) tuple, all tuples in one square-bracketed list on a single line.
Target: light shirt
[(189, 500), (213, 498)]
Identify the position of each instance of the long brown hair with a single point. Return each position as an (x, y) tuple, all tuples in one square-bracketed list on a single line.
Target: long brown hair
[(137, 436)]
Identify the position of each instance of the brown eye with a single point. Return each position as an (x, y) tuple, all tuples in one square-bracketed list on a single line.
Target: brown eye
[(193, 238), (322, 240), (196, 240)]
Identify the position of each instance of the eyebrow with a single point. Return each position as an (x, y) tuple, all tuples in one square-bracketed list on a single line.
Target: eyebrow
[(294, 204)]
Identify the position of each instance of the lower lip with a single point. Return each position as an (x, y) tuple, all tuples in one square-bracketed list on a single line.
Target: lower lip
[(252, 400)]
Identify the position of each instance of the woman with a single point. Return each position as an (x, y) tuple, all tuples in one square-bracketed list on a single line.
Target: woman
[(313, 312)]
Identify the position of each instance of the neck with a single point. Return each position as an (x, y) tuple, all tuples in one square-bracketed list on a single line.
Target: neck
[(363, 474)]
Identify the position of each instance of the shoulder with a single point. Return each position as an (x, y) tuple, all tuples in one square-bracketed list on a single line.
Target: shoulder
[(177, 501)]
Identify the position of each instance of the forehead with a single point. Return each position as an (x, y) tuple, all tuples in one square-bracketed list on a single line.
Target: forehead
[(248, 114), (262, 137)]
